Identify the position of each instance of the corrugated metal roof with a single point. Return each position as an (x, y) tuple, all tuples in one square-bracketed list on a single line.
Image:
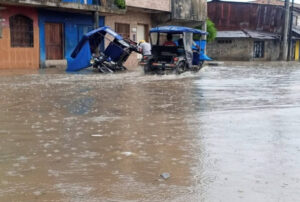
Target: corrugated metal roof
[(261, 35), (296, 30), (247, 34), (231, 34)]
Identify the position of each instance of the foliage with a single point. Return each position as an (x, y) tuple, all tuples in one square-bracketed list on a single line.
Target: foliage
[(121, 4), (211, 29)]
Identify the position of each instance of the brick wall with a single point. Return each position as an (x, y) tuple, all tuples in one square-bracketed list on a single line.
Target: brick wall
[(162, 5), (132, 18), (242, 50)]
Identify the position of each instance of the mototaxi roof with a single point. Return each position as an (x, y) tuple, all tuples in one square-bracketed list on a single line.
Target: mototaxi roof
[(177, 30)]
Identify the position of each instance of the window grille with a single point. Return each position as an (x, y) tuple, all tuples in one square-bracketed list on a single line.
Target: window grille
[(259, 49), (224, 41), (123, 29), (21, 31)]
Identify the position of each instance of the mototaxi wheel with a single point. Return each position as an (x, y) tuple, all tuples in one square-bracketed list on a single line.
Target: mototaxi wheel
[(198, 67), (105, 69), (147, 68), (180, 68)]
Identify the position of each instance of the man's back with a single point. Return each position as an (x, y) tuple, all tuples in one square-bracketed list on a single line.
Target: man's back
[(146, 47)]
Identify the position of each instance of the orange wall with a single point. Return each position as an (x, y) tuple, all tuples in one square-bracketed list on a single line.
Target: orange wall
[(19, 58)]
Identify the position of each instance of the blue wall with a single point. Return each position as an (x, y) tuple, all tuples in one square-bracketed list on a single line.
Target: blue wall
[(75, 25), (82, 1)]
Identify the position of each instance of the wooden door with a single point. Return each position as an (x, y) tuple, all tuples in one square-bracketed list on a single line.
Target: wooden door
[(54, 41)]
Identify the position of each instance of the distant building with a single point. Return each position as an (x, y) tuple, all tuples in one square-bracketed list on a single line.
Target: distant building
[(246, 31), (252, 30)]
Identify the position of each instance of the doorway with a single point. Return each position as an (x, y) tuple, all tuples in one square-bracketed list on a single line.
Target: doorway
[(54, 41)]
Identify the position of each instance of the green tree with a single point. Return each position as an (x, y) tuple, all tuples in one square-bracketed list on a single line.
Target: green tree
[(121, 4), (211, 29)]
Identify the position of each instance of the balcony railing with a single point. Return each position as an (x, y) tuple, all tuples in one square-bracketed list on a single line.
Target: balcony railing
[(102, 3), (105, 6), (88, 2)]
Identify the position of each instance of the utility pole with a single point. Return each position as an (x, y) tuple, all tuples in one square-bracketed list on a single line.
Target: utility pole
[(285, 31), (291, 32)]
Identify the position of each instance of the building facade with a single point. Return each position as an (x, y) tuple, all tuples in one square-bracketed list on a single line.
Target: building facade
[(245, 46), (35, 33), (142, 15), (19, 38), (246, 31), (47, 31), (137, 21), (261, 23)]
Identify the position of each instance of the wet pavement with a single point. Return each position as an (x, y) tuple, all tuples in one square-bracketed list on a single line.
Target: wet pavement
[(224, 134)]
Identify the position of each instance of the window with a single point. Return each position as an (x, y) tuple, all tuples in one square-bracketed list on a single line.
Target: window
[(21, 31), (259, 49), (224, 41), (96, 2), (175, 38), (123, 30), (154, 38)]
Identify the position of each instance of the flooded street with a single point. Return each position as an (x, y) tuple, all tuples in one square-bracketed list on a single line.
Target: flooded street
[(224, 134)]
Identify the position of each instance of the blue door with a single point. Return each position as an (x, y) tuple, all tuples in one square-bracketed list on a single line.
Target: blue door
[(83, 29)]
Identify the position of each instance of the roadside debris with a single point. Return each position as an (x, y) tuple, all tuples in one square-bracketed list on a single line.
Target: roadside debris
[(165, 176)]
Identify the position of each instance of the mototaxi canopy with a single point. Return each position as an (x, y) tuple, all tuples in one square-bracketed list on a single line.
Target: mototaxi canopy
[(81, 56), (188, 39), (177, 30)]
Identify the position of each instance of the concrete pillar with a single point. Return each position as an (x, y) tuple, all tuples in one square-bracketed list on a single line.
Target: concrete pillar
[(204, 28), (96, 19), (285, 31), (96, 25)]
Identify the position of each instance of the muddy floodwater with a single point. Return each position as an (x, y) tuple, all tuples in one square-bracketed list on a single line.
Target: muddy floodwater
[(223, 134)]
